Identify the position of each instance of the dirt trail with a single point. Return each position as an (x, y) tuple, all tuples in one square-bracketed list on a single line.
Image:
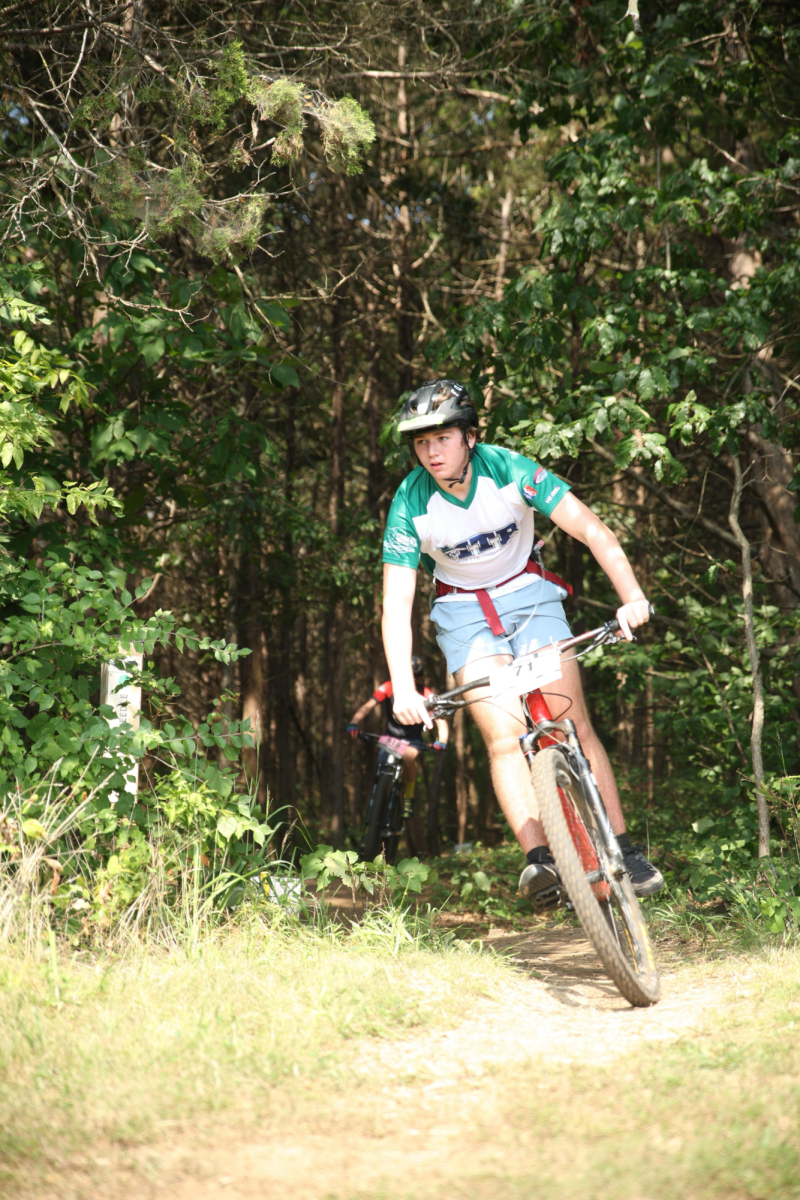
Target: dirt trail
[(564, 1009), (423, 1098)]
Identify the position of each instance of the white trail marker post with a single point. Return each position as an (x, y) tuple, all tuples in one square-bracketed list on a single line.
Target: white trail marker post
[(125, 697)]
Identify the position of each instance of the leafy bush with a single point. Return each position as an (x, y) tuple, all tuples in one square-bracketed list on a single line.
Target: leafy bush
[(377, 880), (720, 865), (184, 855), (58, 625)]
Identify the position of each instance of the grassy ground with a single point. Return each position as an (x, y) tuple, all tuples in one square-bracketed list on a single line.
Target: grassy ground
[(714, 1115), (275, 1060), (104, 1050)]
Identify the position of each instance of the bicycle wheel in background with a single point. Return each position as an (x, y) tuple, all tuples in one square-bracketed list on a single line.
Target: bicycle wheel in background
[(371, 846), (614, 925)]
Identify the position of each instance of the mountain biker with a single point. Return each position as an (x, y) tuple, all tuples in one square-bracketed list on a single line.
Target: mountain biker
[(393, 728), (467, 510)]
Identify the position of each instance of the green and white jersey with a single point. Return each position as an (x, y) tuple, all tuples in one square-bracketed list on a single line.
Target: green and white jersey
[(480, 541)]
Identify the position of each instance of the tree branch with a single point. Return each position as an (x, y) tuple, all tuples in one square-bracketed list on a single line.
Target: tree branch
[(682, 510), (755, 666)]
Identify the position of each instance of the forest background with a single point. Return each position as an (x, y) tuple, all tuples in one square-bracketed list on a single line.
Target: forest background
[(233, 237)]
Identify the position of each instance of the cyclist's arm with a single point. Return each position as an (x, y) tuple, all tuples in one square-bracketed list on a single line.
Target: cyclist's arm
[(442, 730), (399, 585), (366, 708), (572, 515)]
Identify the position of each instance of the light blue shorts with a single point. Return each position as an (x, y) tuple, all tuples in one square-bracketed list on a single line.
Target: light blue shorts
[(532, 617)]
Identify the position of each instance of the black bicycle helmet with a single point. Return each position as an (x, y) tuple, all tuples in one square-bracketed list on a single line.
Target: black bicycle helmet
[(416, 665), (435, 404)]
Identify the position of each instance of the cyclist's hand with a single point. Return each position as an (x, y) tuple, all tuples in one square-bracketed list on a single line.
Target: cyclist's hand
[(353, 730), (409, 708), (441, 746), (631, 616)]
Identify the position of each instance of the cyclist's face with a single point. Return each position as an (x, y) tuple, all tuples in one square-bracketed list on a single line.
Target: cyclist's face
[(441, 452)]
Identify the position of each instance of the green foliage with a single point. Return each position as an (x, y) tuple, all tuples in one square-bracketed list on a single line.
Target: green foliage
[(377, 879), (595, 345), (30, 372), (483, 879), (716, 860), (347, 130), (183, 852), (59, 623), (95, 112), (281, 102)]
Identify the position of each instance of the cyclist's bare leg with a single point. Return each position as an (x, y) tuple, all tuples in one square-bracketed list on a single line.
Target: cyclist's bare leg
[(556, 694), (502, 723), (410, 765)]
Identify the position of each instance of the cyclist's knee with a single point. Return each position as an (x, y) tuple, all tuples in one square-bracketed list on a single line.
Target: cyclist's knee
[(503, 746), (584, 728)]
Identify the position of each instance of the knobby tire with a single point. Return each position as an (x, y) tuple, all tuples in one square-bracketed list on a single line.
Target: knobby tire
[(615, 926), (372, 838), (374, 843)]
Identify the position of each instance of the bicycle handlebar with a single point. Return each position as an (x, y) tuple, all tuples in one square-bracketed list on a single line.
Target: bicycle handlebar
[(449, 701)]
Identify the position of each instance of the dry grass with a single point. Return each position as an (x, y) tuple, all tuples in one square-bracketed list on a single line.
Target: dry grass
[(105, 1052), (332, 1081)]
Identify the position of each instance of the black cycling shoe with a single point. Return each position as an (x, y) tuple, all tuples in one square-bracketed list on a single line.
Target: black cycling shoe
[(646, 879), (541, 884)]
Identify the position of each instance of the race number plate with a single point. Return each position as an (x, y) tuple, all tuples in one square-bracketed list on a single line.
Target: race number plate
[(394, 744), (527, 673)]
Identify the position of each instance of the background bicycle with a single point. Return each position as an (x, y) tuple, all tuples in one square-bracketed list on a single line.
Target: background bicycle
[(387, 808)]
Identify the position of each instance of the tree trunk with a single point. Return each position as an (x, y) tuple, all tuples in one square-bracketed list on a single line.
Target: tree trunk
[(229, 676), (505, 237), (755, 665), (462, 786), (434, 838), (402, 262), (252, 673)]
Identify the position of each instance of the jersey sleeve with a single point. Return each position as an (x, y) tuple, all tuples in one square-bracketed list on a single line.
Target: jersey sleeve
[(538, 487), (401, 546), (383, 692)]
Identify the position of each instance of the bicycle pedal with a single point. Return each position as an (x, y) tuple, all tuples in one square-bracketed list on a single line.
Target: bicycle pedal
[(549, 899)]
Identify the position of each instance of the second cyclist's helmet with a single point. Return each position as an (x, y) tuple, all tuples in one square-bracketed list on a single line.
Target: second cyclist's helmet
[(436, 404)]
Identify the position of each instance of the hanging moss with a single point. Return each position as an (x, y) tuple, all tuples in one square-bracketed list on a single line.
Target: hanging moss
[(232, 76), (180, 197), (346, 129), (166, 200), (232, 232), (281, 102), (162, 204), (121, 190)]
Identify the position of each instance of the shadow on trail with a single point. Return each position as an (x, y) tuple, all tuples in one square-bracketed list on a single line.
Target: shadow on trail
[(563, 959)]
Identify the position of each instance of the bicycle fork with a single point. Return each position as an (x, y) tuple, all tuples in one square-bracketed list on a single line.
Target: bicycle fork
[(534, 742)]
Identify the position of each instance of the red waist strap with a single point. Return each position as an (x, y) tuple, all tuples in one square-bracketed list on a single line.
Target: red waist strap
[(482, 596)]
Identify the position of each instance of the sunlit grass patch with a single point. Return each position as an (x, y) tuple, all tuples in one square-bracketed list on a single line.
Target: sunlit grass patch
[(108, 1049), (713, 1115)]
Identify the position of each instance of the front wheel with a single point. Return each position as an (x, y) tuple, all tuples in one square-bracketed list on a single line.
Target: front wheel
[(609, 910)]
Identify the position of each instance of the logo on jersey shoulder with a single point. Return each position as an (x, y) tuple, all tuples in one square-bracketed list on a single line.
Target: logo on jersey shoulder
[(554, 492), (541, 474), (483, 543), (528, 491)]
